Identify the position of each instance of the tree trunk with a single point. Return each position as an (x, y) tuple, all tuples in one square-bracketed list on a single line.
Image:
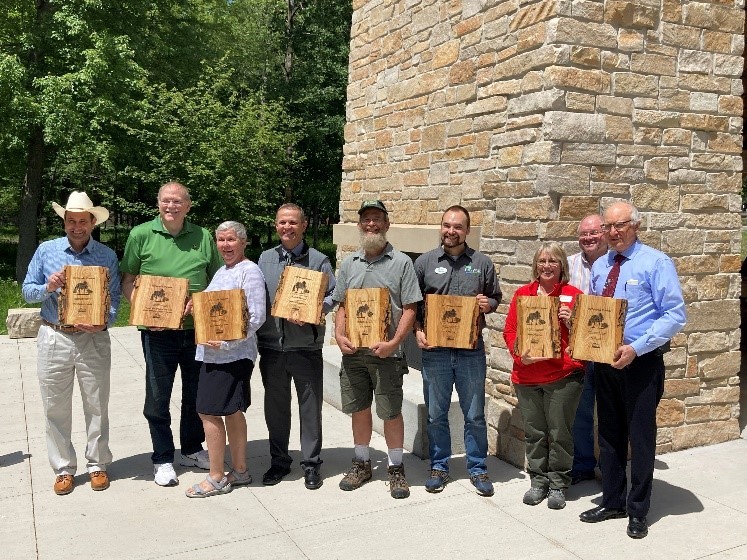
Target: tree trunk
[(30, 202)]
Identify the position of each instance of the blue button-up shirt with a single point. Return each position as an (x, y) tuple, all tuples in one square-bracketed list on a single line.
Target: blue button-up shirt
[(51, 256), (648, 280)]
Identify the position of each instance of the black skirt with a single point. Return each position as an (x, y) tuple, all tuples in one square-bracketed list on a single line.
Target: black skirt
[(223, 389)]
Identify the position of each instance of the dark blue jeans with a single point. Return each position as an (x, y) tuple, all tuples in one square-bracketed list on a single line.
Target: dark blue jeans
[(164, 351), (584, 460), (444, 369)]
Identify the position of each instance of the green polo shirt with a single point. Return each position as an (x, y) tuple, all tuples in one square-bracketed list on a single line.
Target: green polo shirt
[(153, 251)]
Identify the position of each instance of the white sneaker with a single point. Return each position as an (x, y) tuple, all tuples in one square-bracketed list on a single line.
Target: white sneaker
[(201, 460), (165, 475)]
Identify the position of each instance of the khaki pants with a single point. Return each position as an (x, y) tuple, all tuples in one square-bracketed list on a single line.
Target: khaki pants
[(61, 358)]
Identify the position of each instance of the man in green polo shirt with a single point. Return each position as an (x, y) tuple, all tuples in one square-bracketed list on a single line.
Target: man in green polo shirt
[(171, 246)]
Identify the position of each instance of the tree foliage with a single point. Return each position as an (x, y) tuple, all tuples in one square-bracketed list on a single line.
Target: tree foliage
[(116, 97)]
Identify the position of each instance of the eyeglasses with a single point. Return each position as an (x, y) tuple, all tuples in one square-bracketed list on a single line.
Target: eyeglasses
[(171, 202), (548, 262), (372, 220), (592, 233), (619, 226)]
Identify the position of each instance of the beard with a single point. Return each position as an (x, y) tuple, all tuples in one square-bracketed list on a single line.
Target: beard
[(373, 242)]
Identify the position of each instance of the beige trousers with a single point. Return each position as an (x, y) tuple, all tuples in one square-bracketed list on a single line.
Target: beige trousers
[(61, 358)]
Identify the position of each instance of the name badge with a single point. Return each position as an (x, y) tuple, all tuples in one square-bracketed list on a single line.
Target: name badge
[(440, 270), (566, 298), (632, 282)]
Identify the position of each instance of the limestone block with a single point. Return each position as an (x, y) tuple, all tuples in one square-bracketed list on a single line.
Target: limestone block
[(678, 136), (573, 31), (703, 102), (574, 127), (656, 169), (23, 322), (694, 61), (718, 315), (585, 153), (533, 13), (597, 81), (629, 40), (722, 366), (706, 433), (704, 122), (622, 13), (563, 179), (531, 37), (681, 36), (509, 156), (699, 82), (580, 102), (670, 412), (705, 201), (656, 198), (653, 64), (710, 16), (659, 119), (541, 152), (727, 65), (680, 387), (540, 208), (577, 207), (730, 263), (445, 54), (682, 242), (537, 102), (715, 41), (614, 105), (631, 83)]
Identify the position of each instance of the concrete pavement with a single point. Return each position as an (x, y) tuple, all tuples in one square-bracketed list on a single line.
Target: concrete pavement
[(699, 504)]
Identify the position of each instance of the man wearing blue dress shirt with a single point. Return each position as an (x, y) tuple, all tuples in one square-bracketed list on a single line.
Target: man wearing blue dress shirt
[(67, 351), (629, 389)]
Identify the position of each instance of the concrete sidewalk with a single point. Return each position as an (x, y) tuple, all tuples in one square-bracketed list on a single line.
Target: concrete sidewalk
[(699, 504)]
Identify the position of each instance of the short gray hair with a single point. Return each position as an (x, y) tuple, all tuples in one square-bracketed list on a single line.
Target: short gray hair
[(237, 227)]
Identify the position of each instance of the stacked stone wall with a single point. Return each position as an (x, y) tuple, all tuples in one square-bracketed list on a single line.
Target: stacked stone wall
[(533, 114)]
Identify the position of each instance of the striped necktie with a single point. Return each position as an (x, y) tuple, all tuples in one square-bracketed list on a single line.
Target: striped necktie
[(611, 283)]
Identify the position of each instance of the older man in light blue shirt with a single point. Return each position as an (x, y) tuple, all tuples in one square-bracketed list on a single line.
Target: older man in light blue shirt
[(629, 389)]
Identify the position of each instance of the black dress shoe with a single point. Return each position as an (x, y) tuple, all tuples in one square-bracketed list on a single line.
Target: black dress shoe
[(274, 475), (311, 478), (637, 527), (600, 513)]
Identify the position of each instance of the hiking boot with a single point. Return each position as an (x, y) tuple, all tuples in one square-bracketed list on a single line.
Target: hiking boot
[(358, 474), (437, 481), (534, 496), (398, 486), (482, 484), (556, 499)]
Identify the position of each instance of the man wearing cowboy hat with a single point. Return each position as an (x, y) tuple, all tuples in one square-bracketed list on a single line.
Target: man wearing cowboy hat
[(67, 351)]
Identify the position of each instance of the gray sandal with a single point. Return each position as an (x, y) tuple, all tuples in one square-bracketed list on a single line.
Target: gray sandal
[(218, 487), (240, 479)]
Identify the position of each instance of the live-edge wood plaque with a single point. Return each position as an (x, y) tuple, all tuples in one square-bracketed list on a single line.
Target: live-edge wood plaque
[(85, 296), (597, 326), (451, 321), (368, 312), (300, 295), (538, 326), (158, 301), (220, 315)]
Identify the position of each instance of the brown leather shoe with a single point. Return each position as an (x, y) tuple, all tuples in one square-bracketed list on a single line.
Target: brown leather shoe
[(64, 484), (99, 480)]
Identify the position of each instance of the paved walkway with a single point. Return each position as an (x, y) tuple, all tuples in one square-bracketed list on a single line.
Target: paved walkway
[(699, 504)]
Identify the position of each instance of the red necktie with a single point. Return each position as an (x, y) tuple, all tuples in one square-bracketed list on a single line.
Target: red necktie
[(611, 283)]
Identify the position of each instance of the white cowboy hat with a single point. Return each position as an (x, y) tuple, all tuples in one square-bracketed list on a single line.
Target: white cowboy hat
[(79, 202)]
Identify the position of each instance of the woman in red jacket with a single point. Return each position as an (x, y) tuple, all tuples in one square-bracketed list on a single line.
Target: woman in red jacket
[(548, 389)]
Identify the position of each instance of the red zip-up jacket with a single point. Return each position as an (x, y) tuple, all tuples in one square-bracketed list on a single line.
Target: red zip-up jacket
[(545, 371)]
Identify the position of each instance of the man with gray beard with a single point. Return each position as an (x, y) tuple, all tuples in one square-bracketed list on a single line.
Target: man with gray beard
[(376, 370)]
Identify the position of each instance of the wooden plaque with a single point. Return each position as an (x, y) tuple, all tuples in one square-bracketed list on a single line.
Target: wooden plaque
[(220, 315), (597, 327), (85, 296), (538, 326), (300, 295), (451, 321), (158, 301), (368, 314)]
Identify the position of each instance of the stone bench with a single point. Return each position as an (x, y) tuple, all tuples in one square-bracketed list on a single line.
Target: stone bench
[(23, 322)]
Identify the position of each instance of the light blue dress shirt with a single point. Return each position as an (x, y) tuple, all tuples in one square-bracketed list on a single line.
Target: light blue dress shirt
[(51, 256), (648, 280)]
